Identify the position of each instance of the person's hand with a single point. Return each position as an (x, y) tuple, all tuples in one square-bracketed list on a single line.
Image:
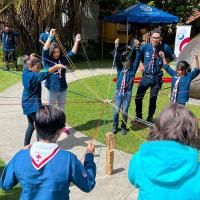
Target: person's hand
[(60, 66), (90, 147), (161, 54), (52, 32), (117, 42), (78, 38), (136, 44)]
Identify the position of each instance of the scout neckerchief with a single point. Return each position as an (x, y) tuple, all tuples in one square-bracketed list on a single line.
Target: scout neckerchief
[(41, 153), (152, 61), (59, 71), (175, 90), (123, 84)]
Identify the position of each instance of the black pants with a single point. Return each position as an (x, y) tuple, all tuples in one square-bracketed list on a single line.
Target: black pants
[(30, 128), (153, 82)]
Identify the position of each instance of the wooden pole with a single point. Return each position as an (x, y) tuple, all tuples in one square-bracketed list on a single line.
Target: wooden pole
[(110, 153)]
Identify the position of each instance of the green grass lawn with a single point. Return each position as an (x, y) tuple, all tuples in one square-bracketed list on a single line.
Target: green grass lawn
[(84, 116), (8, 78)]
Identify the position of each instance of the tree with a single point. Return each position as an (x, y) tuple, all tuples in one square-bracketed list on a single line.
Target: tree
[(31, 16)]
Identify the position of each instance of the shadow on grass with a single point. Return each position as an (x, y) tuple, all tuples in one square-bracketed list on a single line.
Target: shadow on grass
[(13, 194), (91, 124)]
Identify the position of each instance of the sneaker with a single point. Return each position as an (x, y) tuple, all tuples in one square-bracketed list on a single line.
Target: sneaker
[(150, 119), (114, 130), (123, 131)]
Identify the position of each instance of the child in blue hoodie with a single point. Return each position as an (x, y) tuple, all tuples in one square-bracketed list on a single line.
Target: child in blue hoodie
[(31, 98), (167, 166), (45, 171), (181, 79)]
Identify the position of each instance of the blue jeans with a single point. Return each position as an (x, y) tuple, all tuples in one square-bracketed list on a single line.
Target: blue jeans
[(30, 129), (121, 102), (57, 98)]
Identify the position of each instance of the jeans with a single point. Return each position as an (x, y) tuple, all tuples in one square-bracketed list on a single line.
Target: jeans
[(155, 83), (58, 98), (121, 102), (30, 129)]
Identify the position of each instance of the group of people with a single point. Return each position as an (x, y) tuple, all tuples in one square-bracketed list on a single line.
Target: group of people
[(165, 167), (154, 57)]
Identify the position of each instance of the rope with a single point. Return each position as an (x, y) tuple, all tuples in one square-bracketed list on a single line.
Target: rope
[(72, 64), (90, 66)]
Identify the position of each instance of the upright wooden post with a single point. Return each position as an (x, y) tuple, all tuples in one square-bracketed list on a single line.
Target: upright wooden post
[(110, 152)]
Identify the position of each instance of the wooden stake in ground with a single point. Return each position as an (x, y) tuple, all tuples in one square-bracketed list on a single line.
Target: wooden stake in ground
[(110, 152)]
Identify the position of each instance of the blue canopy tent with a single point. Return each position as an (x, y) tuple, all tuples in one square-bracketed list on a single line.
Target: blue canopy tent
[(141, 14)]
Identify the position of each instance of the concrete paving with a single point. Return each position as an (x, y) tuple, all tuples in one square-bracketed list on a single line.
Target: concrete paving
[(13, 125)]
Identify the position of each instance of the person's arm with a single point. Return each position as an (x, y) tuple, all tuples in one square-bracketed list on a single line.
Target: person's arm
[(76, 43), (169, 54), (73, 51), (49, 40), (117, 60), (84, 176), (44, 74), (8, 177), (196, 71), (165, 66), (139, 54), (196, 56)]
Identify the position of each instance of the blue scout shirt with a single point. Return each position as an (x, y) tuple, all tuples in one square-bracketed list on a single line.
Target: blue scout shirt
[(52, 181), (146, 54), (31, 97), (8, 40), (184, 83), (55, 82), (120, 73), (44, 36), (165, 170)]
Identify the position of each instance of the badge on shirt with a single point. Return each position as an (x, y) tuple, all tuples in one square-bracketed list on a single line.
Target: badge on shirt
[(147, 54), (84, 174)]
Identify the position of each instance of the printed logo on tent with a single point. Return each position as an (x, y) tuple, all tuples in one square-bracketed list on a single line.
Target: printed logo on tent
[(145, 8)]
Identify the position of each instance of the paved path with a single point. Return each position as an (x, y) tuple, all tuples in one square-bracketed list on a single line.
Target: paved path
[(13, 124)]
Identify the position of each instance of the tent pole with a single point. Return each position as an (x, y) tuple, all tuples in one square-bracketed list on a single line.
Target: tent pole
[(127, 35), (102, 41)]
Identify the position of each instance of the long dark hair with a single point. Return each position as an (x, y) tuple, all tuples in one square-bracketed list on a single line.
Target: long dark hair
[(177, 123), (53, 46), (183, 66)]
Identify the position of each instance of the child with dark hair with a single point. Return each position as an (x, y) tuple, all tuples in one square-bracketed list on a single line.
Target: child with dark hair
[(125, 76), (181, 79), (31, 97), (167, 166), (57, 84), (45, 171)]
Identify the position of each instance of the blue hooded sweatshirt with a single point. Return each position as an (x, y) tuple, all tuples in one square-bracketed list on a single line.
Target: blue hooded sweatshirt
[(165, 170)]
